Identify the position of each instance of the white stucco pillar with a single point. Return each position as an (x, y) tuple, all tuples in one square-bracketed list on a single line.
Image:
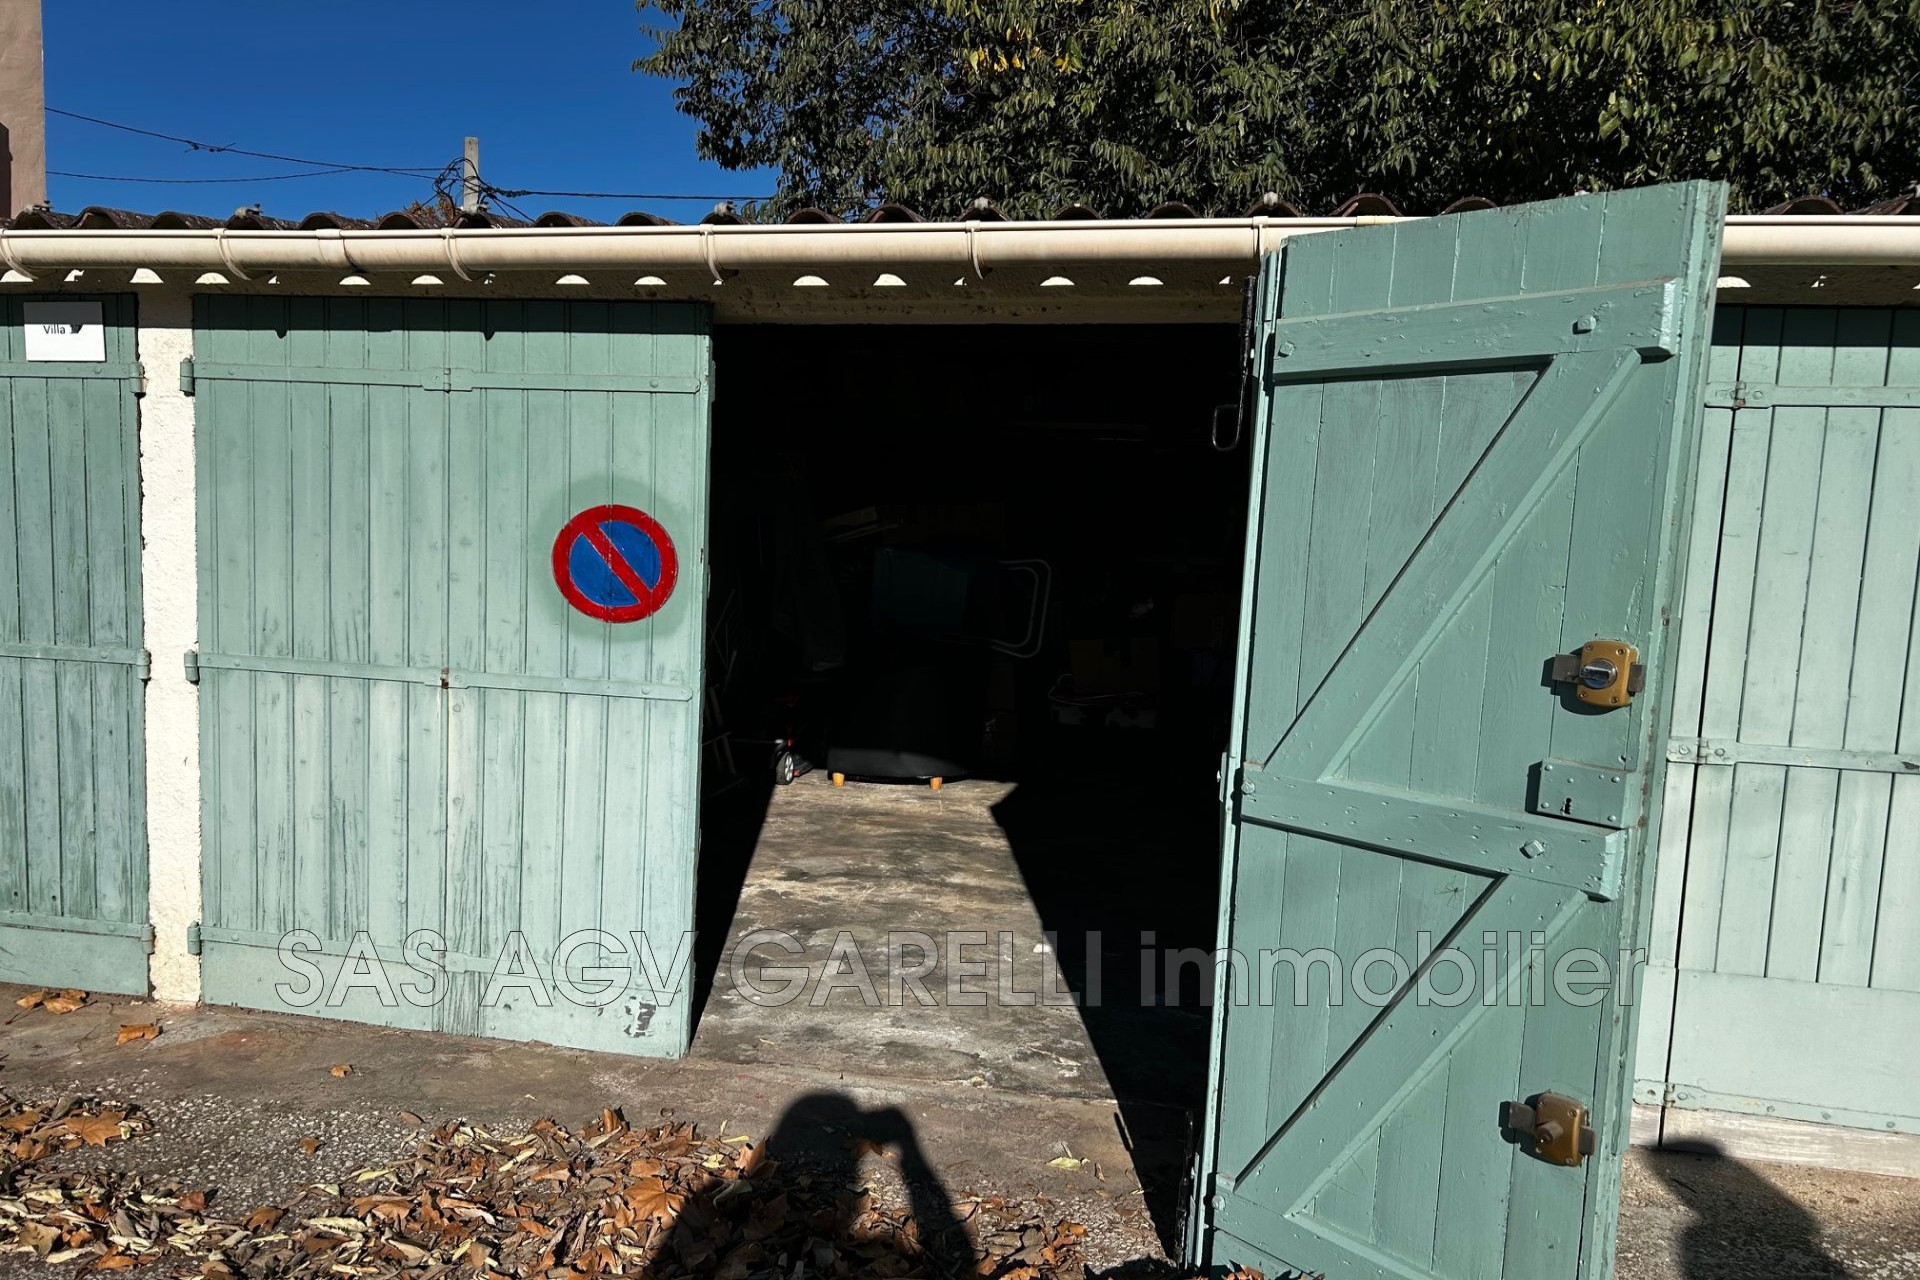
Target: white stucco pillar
[(169, 577)]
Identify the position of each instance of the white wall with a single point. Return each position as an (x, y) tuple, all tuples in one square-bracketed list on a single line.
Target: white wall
[(168, 582)]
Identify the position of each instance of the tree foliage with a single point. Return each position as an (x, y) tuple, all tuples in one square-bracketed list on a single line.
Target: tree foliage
[(1122, 104)]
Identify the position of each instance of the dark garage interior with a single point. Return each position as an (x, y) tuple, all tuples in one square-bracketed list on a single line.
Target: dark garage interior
[(1006, 557)]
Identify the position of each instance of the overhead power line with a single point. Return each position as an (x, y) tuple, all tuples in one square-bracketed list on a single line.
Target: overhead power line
[(186, 182), (618, 195), (198, 145), (440, 174)]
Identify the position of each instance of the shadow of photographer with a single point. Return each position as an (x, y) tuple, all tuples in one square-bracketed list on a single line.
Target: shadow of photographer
[(809, 1212)]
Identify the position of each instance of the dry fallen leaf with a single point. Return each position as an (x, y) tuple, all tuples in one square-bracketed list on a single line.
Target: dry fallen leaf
[(309, 1144), (341, 1070), (96, 1131), (38, 1236), (265, 1218), (33, 999), (131, 1031), (1070, 1163), (194, 1201), (408, 1117)]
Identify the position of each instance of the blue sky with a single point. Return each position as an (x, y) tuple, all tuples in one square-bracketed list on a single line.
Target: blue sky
[(546, 88)]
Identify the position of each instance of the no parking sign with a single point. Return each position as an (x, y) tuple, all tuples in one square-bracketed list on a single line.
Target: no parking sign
[(615, 563)]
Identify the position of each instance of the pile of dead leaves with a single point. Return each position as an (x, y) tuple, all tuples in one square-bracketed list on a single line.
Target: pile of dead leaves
[(31, 1133), (611, 1199)]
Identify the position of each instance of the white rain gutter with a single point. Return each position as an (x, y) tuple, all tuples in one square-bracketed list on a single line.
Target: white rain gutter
[(1233, 244)]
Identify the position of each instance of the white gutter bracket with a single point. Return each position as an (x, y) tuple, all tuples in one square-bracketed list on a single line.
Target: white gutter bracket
[(226, 255), (453, 254)]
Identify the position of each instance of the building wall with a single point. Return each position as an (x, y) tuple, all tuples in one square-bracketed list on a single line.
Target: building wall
[(170, 583), (23, 116)]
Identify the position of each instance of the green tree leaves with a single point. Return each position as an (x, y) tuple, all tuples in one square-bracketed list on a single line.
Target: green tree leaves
[(1123, 104)]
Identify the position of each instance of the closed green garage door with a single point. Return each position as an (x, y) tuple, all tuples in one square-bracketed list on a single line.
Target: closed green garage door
[(429, 778), (73, 848), (1785, 974)]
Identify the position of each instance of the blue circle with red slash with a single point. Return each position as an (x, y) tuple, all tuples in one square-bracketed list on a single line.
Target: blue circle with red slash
[(615, 563)]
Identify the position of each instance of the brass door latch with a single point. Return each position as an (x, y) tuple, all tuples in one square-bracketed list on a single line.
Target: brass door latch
[(1553, 1126), (1604, 673)]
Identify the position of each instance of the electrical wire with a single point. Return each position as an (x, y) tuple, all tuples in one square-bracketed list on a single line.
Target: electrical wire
[(443, 177), (188, 182), (197, 145), (618, 195)]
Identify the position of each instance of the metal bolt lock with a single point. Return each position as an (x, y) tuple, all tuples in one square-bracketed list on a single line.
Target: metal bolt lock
[(1603, 673), (1599, 673)]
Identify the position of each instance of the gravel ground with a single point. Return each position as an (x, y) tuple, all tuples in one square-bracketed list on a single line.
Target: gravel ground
[(233, 1095)]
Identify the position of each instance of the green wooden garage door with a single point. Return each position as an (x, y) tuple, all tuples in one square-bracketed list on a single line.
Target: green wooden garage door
[(411, 741), (1790, 866), (1472, 457), (73, 847)]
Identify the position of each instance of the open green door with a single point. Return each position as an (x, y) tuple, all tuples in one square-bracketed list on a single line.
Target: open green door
[(1472, 455)]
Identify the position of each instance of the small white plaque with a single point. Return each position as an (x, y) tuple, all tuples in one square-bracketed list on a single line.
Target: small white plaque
[(69, 331)]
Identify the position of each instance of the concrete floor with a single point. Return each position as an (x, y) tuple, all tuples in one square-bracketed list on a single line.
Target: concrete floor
[(855, 865), (993, 1093)]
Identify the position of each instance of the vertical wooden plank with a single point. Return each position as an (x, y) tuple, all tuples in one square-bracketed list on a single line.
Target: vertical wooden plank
[(14, 858), (550, 495), (1720, 705), (1807, 825), (40, 706), (591, 480), (1881, 640), (510, 552), (1309, 914), (1896, 944), (1342, 499), (13, 744), (390, 536), (72, 625), (273, 730), (1690, 677), (113, 618), (13, 535), (349, 603), (310, 620), (1248, 1050), (427, 414), (467, 587), (1279, 600), (1779, 606)]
